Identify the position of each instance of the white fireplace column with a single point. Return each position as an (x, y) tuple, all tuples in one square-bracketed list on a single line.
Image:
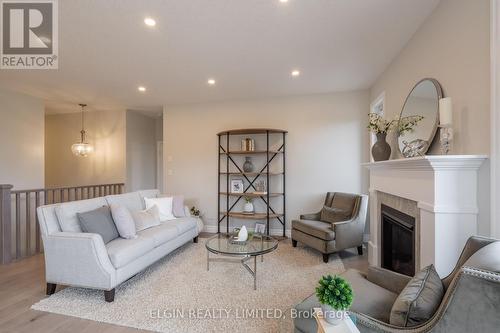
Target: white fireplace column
[(445, 188)]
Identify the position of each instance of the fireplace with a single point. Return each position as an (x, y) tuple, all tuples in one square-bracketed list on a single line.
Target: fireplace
[(398, 241)]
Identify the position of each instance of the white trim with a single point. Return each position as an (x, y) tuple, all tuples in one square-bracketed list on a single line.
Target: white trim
[(495, 118), (430, 162)]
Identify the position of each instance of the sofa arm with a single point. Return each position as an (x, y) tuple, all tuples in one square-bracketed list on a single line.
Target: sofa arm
[(387, 279), (313, 216), (78, 259)]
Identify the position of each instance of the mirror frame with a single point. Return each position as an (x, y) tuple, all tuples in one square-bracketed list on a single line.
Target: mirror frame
[(439, 91)]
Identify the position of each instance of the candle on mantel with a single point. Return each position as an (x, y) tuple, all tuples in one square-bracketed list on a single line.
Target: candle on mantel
[(445, 111)]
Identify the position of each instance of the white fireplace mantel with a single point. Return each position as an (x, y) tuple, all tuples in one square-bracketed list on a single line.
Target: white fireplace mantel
[(444, 188)]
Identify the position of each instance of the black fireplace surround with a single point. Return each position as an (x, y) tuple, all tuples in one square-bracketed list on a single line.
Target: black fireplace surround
[(398, 241)]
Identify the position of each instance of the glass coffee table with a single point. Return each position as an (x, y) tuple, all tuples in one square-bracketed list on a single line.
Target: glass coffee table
[(222, 246)]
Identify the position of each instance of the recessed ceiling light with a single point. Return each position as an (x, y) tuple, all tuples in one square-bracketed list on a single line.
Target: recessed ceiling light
[(149, 22), (295, 72), (211, 82), (283, 1), (141, 88)]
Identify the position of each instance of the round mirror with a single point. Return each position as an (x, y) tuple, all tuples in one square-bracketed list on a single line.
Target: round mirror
[(419, 118)]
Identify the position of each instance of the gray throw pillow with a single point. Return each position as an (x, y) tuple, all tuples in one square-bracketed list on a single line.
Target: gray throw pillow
[(332, 215), (419, 300), (99, 221)]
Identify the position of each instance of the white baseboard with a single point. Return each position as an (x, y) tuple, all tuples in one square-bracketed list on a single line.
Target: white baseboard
[(273, 232)]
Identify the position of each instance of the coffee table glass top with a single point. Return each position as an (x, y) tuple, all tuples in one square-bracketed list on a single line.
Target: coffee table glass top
[(258, 245)]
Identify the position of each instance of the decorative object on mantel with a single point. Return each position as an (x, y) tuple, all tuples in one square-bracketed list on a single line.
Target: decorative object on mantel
[(248, 144), (418, 120), (445, 124), (248, 165), (336, 296), (82, 148), (380, 126)]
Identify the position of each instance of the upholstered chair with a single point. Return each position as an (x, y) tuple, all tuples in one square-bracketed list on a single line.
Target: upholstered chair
[(339, 225), (470, 302)]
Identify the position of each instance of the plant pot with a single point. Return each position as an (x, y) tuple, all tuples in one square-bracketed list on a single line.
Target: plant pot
[(332, 316), (381, 150), (248, 207), (248, 165)]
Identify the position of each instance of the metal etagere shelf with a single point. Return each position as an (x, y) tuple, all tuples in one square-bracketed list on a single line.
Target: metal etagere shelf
[(231, 199)]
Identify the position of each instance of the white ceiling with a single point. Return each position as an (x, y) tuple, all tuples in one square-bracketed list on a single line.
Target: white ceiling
[(248, 46)]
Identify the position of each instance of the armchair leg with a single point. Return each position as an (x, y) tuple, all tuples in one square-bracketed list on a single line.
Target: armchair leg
[(195, 240), (51, 288), (360, 250), (325, 258), (294, 243), (109, 295)]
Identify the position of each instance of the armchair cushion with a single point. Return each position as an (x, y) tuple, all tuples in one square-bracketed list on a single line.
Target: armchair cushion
[(317, 229), (345, 201), (419, 300), (333, 214)]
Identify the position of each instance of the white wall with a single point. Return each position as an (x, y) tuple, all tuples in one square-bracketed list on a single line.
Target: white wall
[(325, 146), (105, 130), (21, 141), (452, 46), (141, 151)]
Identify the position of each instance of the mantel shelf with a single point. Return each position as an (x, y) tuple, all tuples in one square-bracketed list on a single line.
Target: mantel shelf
[(244, 152), (256, 216), (252, 195), (430, 162)]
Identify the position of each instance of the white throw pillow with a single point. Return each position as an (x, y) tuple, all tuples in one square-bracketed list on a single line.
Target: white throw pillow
[(147, 218), (164, 206), (124, 221)]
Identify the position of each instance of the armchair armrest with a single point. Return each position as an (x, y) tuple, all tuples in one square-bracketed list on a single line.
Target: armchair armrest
[(78, 259), (387, 279), (313, 216)]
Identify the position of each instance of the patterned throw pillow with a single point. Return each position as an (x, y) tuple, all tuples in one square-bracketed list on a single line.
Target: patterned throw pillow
[(419, 300)]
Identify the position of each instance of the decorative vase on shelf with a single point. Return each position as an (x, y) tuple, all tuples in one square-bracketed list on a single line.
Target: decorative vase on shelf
[(248, 165), (248, 207), (243, 234), (381, 150), (332, 316)]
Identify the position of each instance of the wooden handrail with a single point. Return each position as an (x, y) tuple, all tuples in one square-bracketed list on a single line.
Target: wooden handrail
[(20, 206)]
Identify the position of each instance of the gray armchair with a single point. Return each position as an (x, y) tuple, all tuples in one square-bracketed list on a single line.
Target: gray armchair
[(470, 303), (343, 230)]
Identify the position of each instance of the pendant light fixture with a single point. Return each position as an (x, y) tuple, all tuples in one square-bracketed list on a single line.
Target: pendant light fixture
[(82, 148)]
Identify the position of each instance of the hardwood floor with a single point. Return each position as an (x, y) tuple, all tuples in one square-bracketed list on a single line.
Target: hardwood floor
[(22, 284)]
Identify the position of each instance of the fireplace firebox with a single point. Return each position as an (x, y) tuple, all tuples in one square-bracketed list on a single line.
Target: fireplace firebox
[(398, 241)]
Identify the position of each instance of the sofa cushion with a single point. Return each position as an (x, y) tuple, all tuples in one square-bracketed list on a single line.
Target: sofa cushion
[(322, 230), (123, 251), (131, 200), (164, 205), (146, 218), (183, 224), (124, 221), (160, 234), (99, 221), (369, 299), (333, 214), (419, 299), (66, 212)]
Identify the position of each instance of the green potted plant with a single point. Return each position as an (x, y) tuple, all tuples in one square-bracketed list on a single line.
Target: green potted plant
[(248, 207), (336, 296)]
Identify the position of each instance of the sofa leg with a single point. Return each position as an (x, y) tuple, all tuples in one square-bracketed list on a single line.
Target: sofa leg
[(360, 250), (294, 243), (195, 240), (51, 288), (109, 295), (325, 258)]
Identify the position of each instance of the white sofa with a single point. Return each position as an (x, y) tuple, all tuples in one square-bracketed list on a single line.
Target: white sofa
[(83, 260)]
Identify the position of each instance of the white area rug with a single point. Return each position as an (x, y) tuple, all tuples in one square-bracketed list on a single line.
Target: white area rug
[(177, 294)]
